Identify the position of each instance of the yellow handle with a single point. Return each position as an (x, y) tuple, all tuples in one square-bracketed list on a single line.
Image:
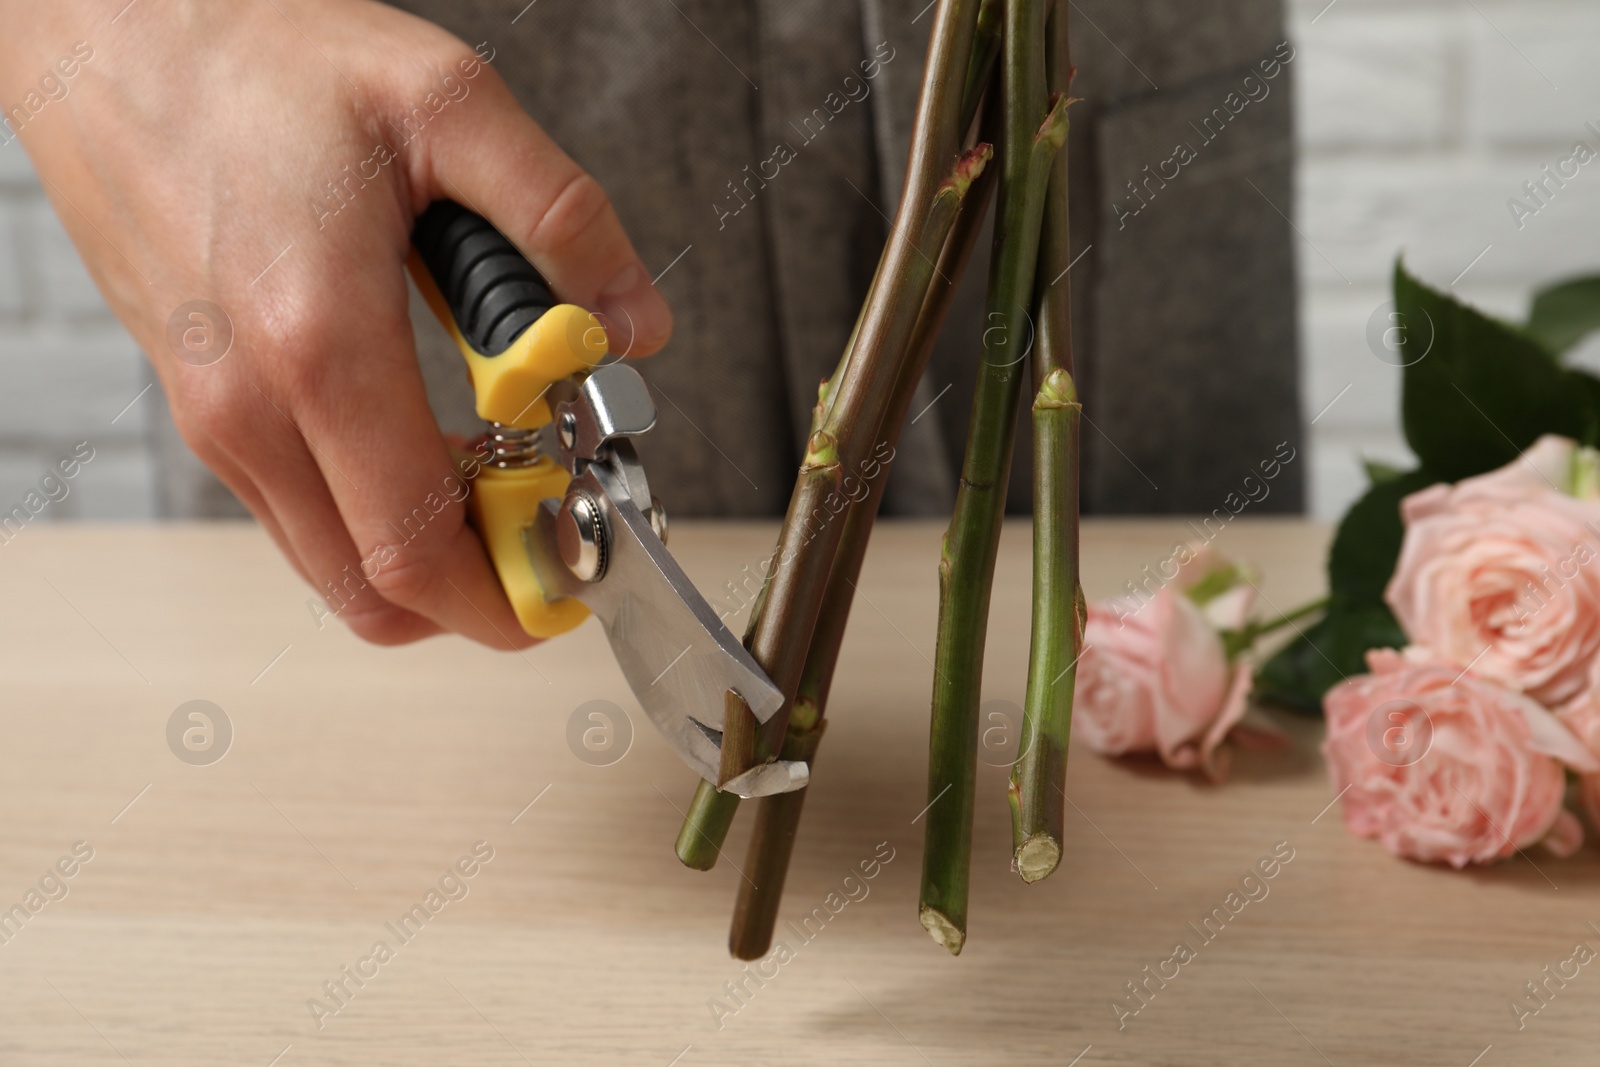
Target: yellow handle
[(503, 504), (510, 387)]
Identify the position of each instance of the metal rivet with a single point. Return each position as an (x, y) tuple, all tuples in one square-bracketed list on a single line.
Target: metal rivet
[(567, 427), (581, 537)]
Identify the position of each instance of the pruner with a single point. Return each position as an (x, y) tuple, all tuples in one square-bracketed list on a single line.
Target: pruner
[(563, 504)]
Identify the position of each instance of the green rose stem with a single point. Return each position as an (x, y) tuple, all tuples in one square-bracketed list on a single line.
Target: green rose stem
[(1038, 779), (1266, 626), (791, 600), (778, 817), (828, 639), (966, 565), (705, 827), (1236, 641), (985, 50)]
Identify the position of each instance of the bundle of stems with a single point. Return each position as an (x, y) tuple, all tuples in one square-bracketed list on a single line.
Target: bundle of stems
[(798, 625)]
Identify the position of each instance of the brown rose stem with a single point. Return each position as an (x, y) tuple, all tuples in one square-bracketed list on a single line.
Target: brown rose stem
[(966, 566), (1038, 779), (828, 639), (854, 406), (712, 810), (811, 533), (778, 817)]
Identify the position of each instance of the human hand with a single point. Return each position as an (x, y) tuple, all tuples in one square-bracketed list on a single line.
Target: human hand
[(270, 158)]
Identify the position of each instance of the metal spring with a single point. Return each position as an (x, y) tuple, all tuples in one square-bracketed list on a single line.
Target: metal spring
[(512, 447)]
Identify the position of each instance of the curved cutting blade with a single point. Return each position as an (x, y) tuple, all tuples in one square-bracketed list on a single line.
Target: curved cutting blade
[(677, 655)]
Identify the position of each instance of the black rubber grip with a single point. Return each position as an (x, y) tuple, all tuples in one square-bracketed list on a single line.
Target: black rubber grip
[(493, 292)]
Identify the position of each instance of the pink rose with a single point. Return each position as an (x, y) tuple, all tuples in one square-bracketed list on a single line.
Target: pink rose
[(1495, 572), (1582, 717), (1154, 675), (1440, 765)]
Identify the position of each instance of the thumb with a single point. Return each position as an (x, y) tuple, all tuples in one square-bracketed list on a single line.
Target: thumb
[(491, 157)]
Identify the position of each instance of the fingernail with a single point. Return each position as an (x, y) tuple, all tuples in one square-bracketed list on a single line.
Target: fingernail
[(636, 317)]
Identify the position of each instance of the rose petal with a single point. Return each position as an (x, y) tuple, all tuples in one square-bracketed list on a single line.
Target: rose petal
[(1565, 836), (1552, 738), (1384, 660), (1193, 679), (1424, 502), (1231, 610), (1234, 705), (1589, 797)]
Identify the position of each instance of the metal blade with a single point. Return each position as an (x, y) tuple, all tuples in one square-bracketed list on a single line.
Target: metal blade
[(677, 655)]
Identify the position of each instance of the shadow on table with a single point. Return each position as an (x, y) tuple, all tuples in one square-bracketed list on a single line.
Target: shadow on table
[(968, 1026), (1246, 765)]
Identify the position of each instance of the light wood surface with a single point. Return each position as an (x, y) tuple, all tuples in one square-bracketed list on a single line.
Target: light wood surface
[(220, 898)]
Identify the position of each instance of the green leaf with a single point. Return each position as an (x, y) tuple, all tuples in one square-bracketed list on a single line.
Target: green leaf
[(1565, 312), (1324, 655), (1478, 391), (1360, 563), (1587, 384), (1368, 541), (1379, 471)]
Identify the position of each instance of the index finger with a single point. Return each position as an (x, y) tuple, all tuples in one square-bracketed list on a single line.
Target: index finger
[(494, 159)]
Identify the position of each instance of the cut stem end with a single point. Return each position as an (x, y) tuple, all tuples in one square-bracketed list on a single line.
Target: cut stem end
[(706, 827), (1038, 857), (947, 933)]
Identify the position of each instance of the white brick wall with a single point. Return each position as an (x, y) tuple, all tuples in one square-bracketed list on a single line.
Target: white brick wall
[(65, 291), (1417, 120), (67, 369), (14, 168)]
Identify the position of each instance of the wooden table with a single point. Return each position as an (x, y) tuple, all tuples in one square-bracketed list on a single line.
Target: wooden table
[(220, 898)]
